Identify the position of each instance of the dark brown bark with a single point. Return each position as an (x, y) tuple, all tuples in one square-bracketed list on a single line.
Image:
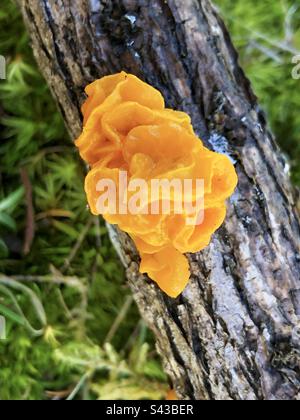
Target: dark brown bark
[(235, 331)]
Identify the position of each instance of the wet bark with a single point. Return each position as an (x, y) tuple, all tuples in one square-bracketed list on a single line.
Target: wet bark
[(235, 332)]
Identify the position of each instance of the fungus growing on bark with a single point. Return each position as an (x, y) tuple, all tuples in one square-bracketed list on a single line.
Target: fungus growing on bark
[(127, 129)]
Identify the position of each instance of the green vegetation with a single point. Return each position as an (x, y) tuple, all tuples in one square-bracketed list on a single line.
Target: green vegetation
[(267, 36), (63, 289)]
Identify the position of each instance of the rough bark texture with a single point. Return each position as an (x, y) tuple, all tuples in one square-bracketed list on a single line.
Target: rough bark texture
[(235, 331)]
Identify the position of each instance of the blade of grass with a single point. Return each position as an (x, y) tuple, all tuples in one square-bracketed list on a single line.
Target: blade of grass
[(8, 313), (10, 202)]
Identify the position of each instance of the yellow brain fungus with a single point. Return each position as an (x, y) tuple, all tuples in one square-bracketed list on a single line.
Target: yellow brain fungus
[(128, 129)]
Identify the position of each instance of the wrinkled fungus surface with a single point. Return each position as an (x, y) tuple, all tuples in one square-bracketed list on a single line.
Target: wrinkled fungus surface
[(128, 129)]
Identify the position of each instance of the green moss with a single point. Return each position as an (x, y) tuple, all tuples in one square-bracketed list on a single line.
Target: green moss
[(267, 36)]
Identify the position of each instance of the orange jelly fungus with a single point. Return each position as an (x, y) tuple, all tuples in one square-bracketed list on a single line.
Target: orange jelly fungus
[(127, 128), (171, 395)]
